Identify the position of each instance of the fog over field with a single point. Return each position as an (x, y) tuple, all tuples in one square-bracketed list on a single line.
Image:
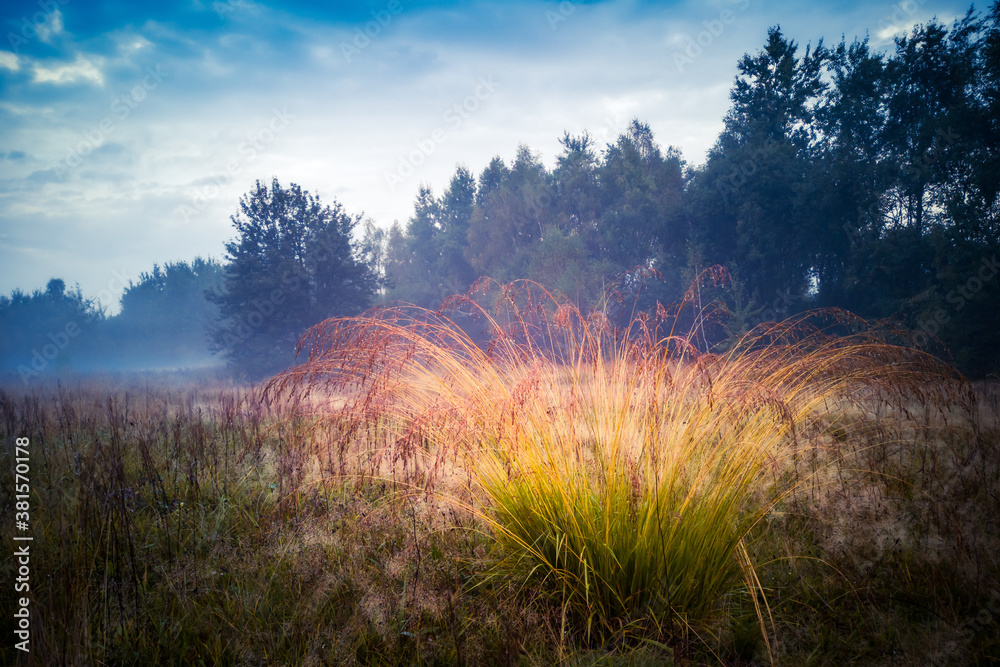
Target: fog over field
[(835, 155), (402, 332)]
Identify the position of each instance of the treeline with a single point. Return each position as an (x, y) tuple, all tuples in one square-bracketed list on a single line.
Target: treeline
[(293, 263), (163, 323), (844, 177)]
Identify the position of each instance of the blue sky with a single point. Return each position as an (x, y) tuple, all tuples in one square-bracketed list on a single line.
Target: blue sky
[(129, 131)]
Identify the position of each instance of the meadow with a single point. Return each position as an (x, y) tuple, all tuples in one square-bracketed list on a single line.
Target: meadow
[(555, 489)]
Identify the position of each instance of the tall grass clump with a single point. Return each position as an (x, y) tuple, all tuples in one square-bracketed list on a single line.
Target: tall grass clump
[(621, 469)]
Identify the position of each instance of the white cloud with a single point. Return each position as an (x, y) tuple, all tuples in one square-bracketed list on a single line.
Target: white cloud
[(51, 27), (9, 61), (131, 43), (82, 68), (354, 119)]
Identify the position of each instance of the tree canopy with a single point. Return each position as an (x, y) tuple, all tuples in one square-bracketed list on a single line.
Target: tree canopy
[(843, 177), (293, 264)]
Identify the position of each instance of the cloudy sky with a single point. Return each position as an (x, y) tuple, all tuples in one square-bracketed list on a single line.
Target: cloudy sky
[(129, 131)]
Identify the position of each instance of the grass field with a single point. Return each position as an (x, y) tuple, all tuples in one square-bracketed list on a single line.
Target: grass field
[(573, 494)]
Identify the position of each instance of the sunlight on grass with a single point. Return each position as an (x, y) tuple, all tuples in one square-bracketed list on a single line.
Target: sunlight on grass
[(537, 486), (621, 467)]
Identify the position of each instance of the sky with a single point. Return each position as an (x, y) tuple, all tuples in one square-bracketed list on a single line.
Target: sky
[(129, 132)]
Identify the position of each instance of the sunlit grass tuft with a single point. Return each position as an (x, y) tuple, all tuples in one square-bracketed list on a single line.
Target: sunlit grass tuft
[(621, 468), (512, 500)]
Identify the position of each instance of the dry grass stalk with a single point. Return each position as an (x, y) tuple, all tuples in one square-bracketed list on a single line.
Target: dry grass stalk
[(623, 467)]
